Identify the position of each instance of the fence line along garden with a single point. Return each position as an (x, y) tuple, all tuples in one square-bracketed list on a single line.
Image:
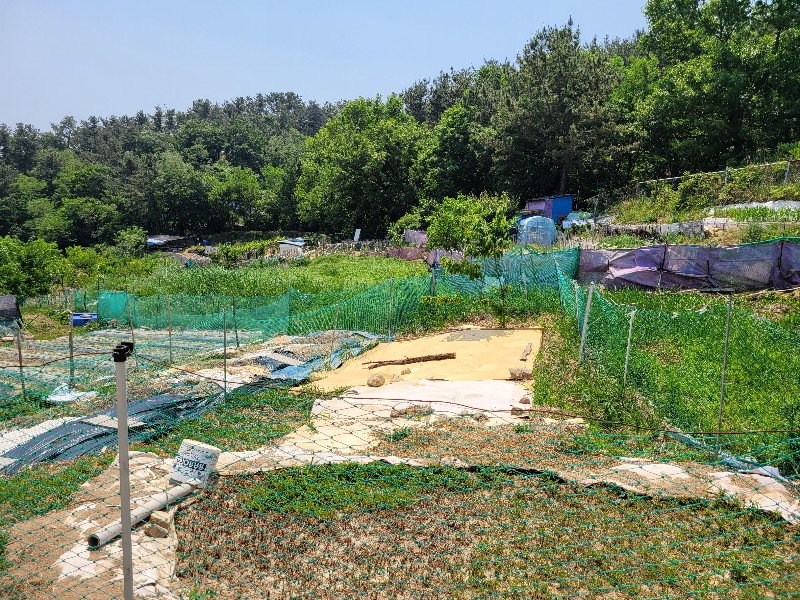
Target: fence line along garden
[(685, 398), (683, 390)]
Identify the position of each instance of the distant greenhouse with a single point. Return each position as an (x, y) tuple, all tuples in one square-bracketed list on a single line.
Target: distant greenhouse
[(537, 230)]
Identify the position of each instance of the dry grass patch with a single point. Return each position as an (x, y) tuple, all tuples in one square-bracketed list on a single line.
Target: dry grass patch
[(465, 535)]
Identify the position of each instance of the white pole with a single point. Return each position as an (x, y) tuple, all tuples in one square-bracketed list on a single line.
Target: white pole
[(585, 329), (121, 354)]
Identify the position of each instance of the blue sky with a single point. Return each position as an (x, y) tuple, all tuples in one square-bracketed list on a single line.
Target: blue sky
[(108, 57)]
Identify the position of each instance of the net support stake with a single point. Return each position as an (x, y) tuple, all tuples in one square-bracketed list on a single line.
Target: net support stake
[(389, 308), (71, 355), (235, 329), (169, 326), (333, 337), (786, 174), (120, 355), (21, 368), (225, 351), (577, 302), (724, 369), (130, 319), (585, 329), (289, 311), (628, 350), (525, 283)]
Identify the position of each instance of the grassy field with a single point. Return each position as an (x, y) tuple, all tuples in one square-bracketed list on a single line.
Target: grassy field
[(324, 274)]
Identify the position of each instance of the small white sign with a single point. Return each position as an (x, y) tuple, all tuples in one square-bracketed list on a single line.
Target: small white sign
[(357, 235), (195, 463)]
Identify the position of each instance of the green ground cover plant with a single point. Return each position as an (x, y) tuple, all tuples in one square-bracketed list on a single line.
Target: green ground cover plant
[(759, 213), (330, 490), (247, 418), (332, 531)]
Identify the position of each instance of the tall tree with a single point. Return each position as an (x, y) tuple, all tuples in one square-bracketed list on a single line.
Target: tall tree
[(356, 172), (456, 160), (556, 112), (722, 93)]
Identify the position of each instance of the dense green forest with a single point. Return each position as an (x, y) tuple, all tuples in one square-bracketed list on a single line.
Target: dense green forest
[(709, 83)]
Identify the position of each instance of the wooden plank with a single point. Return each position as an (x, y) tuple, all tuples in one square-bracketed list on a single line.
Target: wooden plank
[(408, 361)]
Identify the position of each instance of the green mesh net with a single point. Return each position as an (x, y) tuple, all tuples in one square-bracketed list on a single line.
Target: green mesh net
[(421, 488)]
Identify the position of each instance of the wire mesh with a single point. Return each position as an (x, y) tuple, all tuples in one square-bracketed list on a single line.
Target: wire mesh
[(432, 487)]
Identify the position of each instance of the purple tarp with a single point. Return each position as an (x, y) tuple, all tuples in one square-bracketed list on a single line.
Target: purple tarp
[(434, 256), (750, 266), (416, 237), (406, 253)]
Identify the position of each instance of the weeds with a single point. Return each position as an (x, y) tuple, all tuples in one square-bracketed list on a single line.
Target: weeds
[(329, 490), (324, 274), (245, 420)]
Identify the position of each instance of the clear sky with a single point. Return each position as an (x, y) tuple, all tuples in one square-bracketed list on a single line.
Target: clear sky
[(109, 57)]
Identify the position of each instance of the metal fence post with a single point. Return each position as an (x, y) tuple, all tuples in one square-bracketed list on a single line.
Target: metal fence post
[(628, 350), (724, 369), (786, 174), (120, 355), (585, 329), (225, 351), (235, 330), (389, 308), (21, 368), (71, 356), (169, 326)]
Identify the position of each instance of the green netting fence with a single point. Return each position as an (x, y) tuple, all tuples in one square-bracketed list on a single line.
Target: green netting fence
[(674, 368)]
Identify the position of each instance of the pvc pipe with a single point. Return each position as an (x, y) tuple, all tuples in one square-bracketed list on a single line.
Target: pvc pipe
[(157, 502), (120, 355)]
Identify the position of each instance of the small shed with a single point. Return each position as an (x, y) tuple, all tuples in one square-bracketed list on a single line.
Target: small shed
[(291, 247), (553, 207), (10, 315)]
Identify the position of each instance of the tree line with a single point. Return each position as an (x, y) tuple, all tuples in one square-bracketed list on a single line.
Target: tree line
[(708, 83)]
